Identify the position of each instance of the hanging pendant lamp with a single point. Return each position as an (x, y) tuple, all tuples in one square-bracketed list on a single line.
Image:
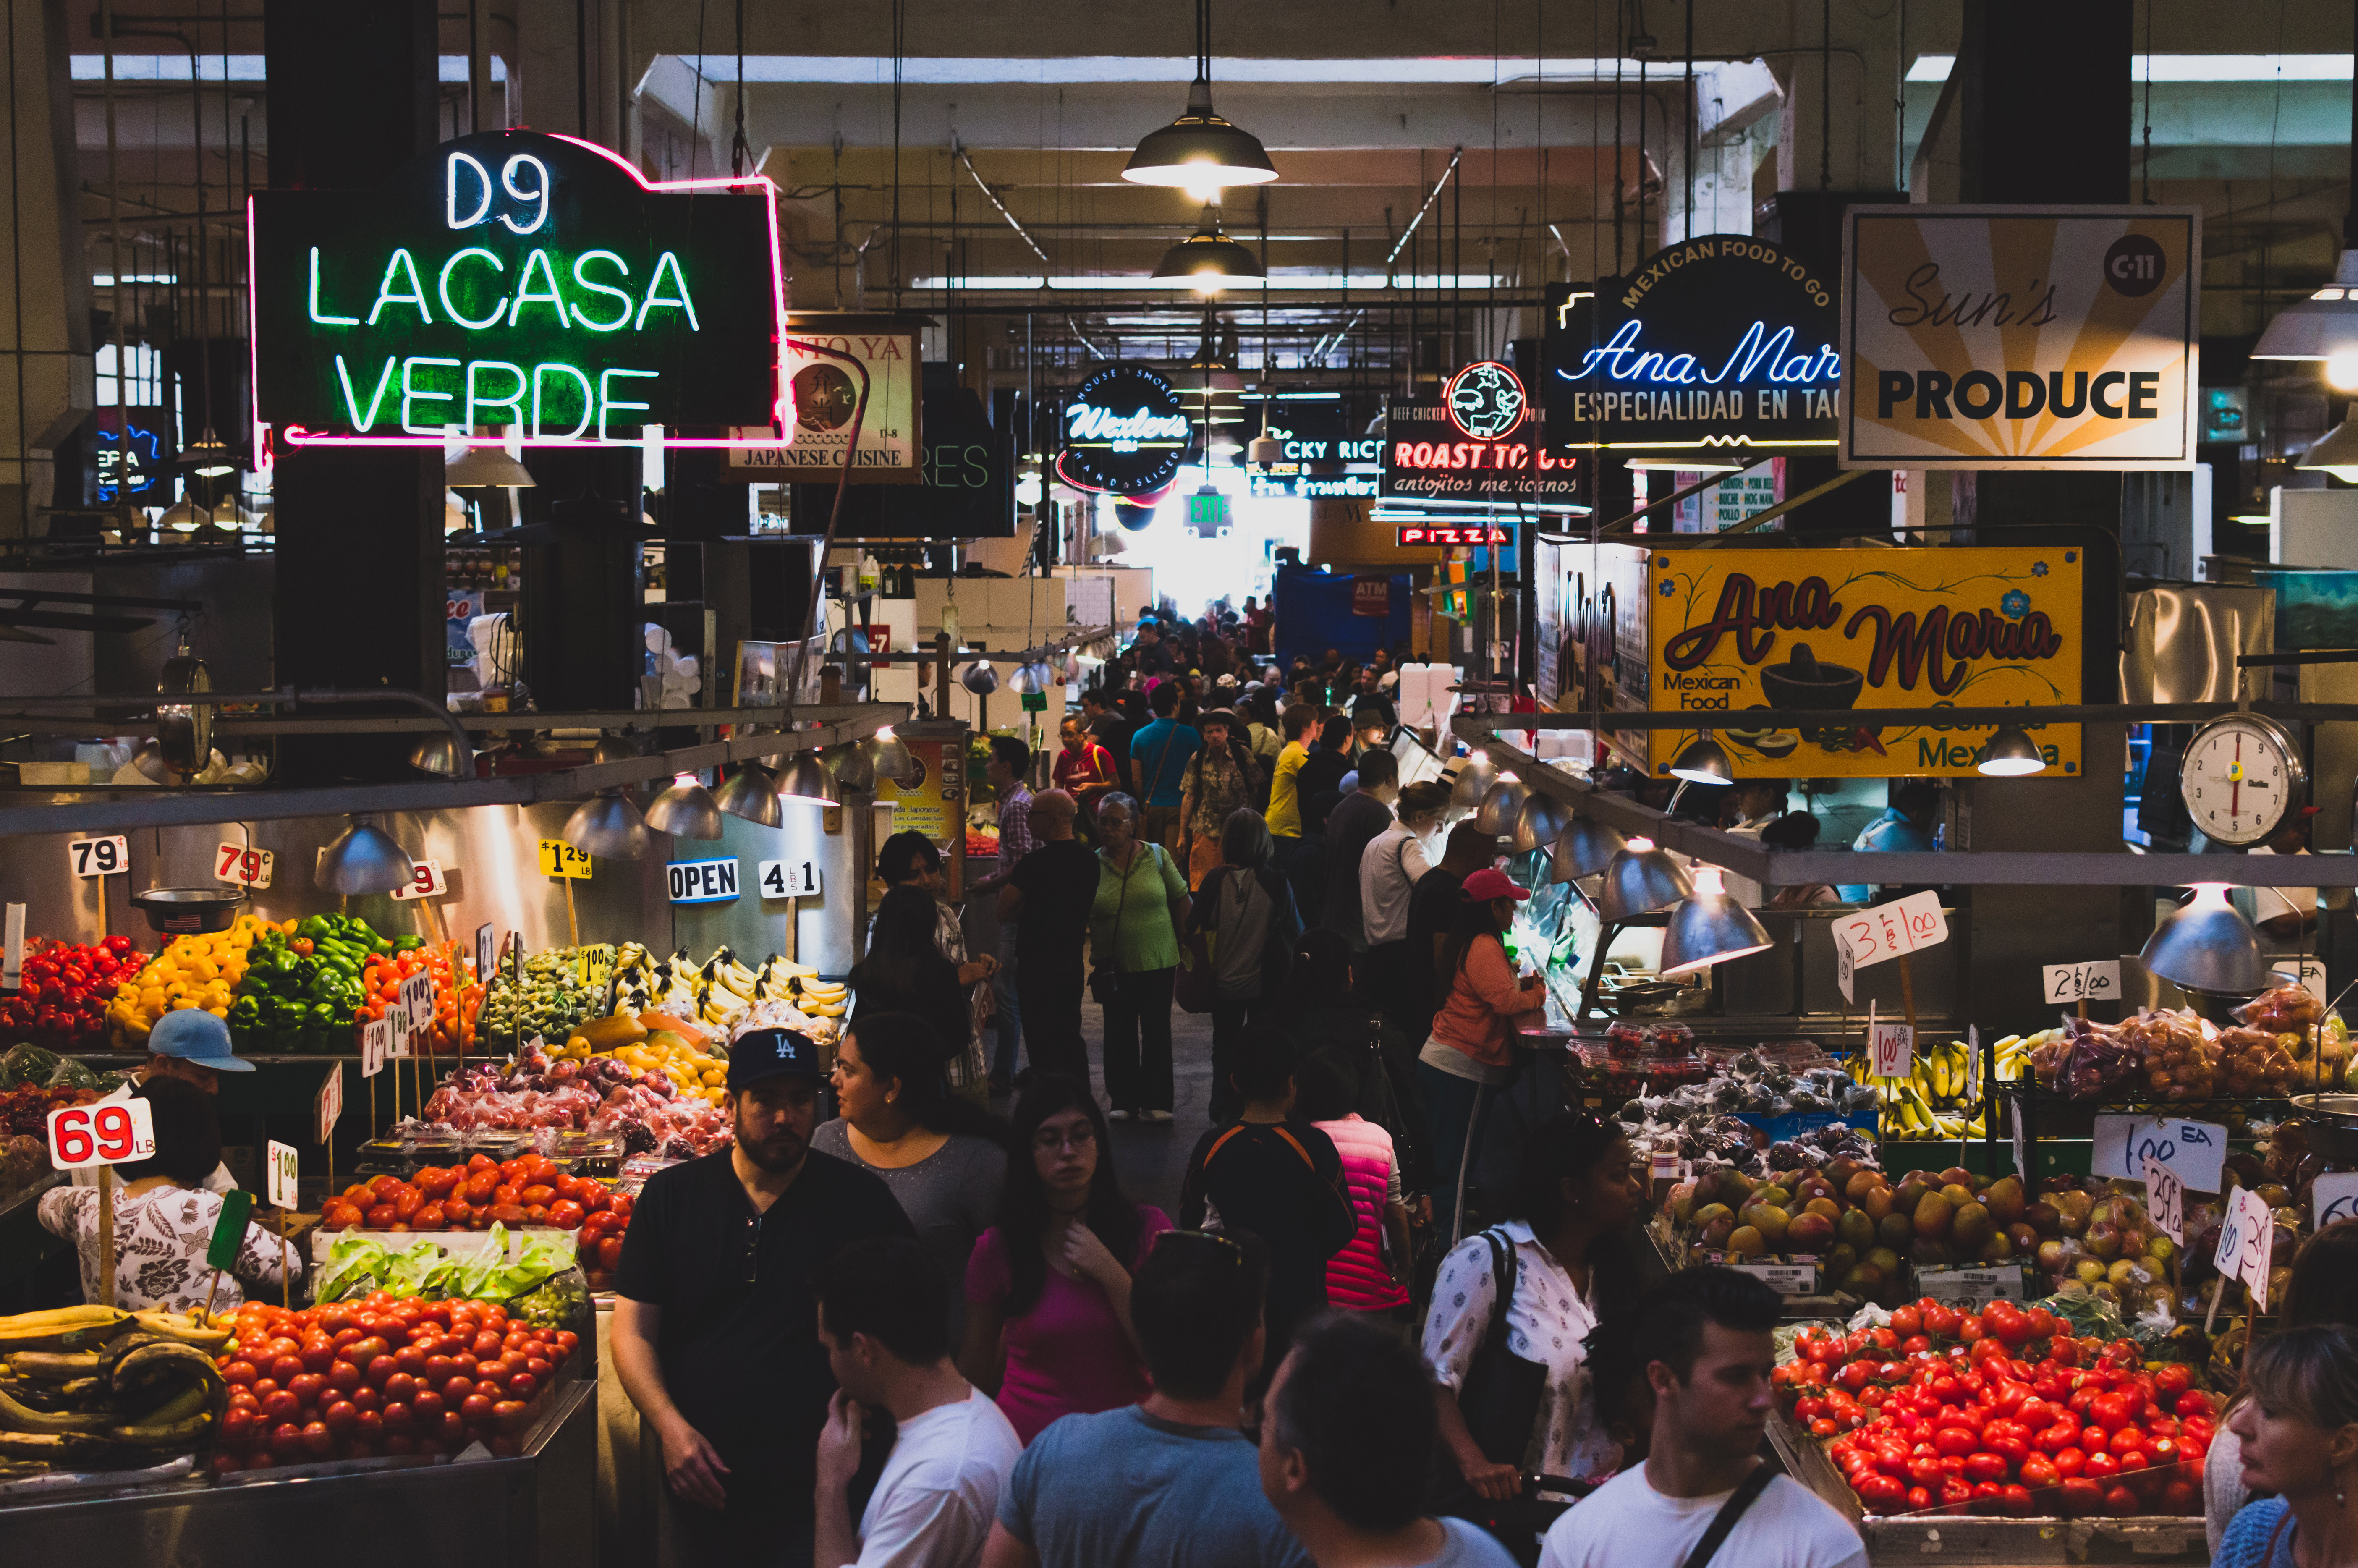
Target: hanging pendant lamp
[(1207, 261), (1199, 151)]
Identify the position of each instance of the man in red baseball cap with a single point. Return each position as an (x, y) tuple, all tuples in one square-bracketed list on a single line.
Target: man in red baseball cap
[(1482, 1001)]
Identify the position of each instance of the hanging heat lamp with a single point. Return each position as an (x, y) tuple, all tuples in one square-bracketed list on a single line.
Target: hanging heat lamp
[(1207, 261), (1200, 152)]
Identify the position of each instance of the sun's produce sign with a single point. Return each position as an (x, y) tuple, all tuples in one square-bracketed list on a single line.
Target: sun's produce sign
[(2020, 337), (517, 281), (1736, 630)]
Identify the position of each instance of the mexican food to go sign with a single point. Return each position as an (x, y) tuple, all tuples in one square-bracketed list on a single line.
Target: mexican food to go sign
[(2020, 337), (1731, 630)]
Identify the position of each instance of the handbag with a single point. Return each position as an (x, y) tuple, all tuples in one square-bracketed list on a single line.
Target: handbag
[(1500, 1401), (1105, 977)]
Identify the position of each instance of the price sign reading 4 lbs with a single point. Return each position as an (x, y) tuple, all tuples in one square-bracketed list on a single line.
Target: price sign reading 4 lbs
[(243, 867), (559, 859), (99, 857), (789, 878), (108, 1134)]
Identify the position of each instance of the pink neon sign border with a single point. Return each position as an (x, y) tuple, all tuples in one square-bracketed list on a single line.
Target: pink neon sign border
[(264, 448)]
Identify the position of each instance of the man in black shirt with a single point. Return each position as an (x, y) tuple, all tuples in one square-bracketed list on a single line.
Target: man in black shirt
[(1048, 896), (1279, 1178), (1323, 771), (1354, 823), (1433, 908), (716, 1331)]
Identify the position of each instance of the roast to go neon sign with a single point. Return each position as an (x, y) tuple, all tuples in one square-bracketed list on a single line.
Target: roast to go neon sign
[(525, 284)]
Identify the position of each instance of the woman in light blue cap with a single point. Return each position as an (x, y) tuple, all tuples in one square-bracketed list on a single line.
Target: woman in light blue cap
[(192, 1045)]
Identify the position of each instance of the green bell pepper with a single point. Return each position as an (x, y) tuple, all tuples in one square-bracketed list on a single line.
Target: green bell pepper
[(408, 944), (315, 927)]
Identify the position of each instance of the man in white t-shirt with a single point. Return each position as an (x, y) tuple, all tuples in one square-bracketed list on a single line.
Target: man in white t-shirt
[(1702, 1336), (884, 1318)]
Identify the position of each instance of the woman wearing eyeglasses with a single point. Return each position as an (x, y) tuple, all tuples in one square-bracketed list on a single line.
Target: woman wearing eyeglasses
[(1048, 1329)]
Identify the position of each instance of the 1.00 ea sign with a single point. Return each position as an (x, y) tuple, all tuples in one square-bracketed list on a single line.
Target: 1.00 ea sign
[(517, 281)]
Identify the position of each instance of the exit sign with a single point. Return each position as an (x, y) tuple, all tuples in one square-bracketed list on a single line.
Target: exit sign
[(1207, 514)]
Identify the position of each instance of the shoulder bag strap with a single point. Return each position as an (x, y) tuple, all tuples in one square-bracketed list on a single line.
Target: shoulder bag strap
[(1119, 904), (1504, 1266), (1730, 1512)]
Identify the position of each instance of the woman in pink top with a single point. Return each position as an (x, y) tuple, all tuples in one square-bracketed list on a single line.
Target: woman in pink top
[(1468, 1054), (1363, 1277), (1047, 1324)]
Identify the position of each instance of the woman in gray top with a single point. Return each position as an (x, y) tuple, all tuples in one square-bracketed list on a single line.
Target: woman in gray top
[(944, 1159)]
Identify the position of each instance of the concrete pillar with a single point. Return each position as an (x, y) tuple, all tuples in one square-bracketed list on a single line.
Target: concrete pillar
[(47, 376)]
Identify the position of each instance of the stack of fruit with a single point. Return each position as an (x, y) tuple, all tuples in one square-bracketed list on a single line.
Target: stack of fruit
[(457, 999), (558, 990), (654, 1043), (721, 992), (201, 971), (303, 988), (2096, 1241), (528, 1189), (68, 992), (91, 1387), (383, 1375), (2001, 1412), (1931, 1099)]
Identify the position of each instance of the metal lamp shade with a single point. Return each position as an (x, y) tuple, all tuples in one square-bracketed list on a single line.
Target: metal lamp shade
[(1207, 261), (893, 759), (686, 810), (1709, 928), (1199, 150), (1045, 676), (2207, 946), (1501, 806), (607, 825), (2010, 754), (2319, 327), (979, 678), (441, 755), (807, 779), (364, 859), (1584, 847), (1703, 761), (486, 466), (1538, 823), (1641, 881), (150, 760), (1024, 682), (752, 792), (854, 770), (1474, 776), (2337, 452)]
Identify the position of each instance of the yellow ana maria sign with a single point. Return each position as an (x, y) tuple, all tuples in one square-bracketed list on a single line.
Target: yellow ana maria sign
[(1732, 631)]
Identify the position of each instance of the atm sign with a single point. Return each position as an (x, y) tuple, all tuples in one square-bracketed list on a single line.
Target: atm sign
[(1455, 533)]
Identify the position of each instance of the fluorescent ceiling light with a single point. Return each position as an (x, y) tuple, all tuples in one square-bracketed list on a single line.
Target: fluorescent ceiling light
[(241, 68), (107, 280), (2191, 68), (1097, 70), (1132, 283)]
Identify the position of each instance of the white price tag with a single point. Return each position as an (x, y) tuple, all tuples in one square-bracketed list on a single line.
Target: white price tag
[(1891, 930), (12, 948), (2098, 980), (328, 1105), (789, 878), (1895, 1049), (2165, 1200), (113, 1132), (2246, 1236), (1985, 1285), (1846, 972), (2312, 978), (425, 881), (2021, 1147), (99, 857), (1785, 1279), (281, 1175), (1665, 1166), (2333, 1196), (399, 1017), (1974, 1061), (2194, 1150), (376, 1044), (242, 867), (418, 995)]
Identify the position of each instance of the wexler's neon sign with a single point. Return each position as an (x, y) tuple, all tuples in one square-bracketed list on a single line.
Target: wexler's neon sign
[(530, 283)]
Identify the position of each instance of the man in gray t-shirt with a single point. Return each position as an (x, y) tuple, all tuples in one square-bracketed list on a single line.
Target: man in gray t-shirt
[(1169, 1482)]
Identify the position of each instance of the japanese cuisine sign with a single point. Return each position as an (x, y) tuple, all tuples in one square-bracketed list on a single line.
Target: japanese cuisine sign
[(1736, 630)]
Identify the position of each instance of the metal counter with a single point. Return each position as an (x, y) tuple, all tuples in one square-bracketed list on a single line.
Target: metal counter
[(532, 1511)]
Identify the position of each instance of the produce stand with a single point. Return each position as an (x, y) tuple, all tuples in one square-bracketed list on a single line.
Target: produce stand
[(535, 1509)]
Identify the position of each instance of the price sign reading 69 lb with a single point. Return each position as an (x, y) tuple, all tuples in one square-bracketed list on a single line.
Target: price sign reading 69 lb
[(107, 1135)]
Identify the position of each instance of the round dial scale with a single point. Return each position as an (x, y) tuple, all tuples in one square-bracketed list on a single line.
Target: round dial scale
[(2241, 778)]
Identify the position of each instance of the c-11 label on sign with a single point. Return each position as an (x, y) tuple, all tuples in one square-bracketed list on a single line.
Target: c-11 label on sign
[(2098, 980)]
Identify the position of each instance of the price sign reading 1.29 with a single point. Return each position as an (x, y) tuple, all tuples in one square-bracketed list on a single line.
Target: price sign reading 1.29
[(110, 1133)]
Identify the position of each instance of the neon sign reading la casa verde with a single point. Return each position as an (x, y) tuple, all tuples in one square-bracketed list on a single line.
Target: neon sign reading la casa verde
[(522, 282)]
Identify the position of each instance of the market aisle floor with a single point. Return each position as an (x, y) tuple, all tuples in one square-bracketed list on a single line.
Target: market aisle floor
[(1153, 1160)]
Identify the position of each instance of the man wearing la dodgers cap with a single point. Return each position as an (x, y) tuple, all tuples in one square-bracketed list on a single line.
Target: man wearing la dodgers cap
[(716, 1329), (189, 1043)]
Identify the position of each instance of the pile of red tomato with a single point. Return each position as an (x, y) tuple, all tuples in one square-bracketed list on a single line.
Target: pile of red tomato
[(528, 1189), (381, 1376), (1941, 1413), (61, 1005)]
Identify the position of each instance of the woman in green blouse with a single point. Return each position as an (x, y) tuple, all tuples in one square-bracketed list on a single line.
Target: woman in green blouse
[(1134, 946)]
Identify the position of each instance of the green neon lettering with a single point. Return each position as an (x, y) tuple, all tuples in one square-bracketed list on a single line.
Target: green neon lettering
[(606, 401), (400, 262), (442, 287), (352, 404), (325, 320), (411, 393), (513, 402), (667, 262), (584, 279), (537, 262), (588, 399)]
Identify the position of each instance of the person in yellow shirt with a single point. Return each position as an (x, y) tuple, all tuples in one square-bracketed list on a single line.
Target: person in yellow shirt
[(1293, 860)]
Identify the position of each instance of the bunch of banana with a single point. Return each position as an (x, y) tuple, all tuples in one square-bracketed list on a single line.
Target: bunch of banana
[(2014, 1052), (823, 999), (93, 1384), (1945, 1073), (728, 987), (778, 977), (1908, 1112)]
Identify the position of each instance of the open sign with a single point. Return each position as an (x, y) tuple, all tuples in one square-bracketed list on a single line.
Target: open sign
[(703, 882)]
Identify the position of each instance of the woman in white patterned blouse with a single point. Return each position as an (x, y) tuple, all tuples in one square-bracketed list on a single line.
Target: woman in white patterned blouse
[(164, 1218)]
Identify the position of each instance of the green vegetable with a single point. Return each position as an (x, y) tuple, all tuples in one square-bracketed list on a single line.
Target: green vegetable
[(356, 1266)]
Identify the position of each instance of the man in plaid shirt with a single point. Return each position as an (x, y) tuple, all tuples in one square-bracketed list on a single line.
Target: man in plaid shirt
[(1009, 759)]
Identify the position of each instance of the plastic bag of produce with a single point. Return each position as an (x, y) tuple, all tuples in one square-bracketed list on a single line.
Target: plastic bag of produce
[(356, 1266), (2180, 1051), (2100, 1060), (27, 1064), (2312, 1035), (72, 1073)]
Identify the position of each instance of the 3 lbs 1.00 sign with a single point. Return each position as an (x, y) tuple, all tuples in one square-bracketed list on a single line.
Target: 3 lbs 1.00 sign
[(110, 1134)]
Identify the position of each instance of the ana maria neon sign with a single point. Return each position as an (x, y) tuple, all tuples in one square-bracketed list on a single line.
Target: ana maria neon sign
[(526, 282), (1759, 354)]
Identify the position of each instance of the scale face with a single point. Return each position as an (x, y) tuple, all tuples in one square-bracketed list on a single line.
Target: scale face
[(2243, 777)]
